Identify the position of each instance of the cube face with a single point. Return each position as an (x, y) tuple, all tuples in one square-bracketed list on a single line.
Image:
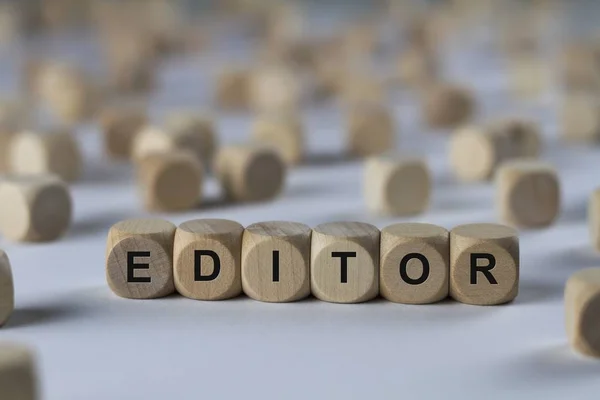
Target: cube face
[(582, 306), (276, 261), (17, 373), (7, 291), (448, 106)]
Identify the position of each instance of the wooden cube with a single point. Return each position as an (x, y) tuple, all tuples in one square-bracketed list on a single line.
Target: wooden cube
[(18, 376), (594, 218), (345, 262), (275, 89), (283, 132), (527, 193), (477, 151), (194, 131), (414, 263), (120, 125), (417, 68), (582, 306), (250, 172), (358, 88), (448, 106), (579, 67), (13, 115), (207, 261), (7, 290), (396, 185), (54, 152), (170, 181), (37, 208), (580, 117), (139, 258), (232, 91), (371, 130), (276, 261), (484, 264)]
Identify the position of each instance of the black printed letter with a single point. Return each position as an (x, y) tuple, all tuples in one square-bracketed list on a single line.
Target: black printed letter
[(344, 265), (486, 269), (132, 266), (404, 264), (198, 277)]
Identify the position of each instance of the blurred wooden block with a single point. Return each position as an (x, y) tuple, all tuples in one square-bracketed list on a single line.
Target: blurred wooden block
[(13, 115), (18, 376), (345, 262), (396, 185), (580, 117), (7, 289), (170, 181), (582, 306), (55, 152), (484, 264), (275, 89), (207, 261), (276, 261), (37, 208), (232, 90), (414, 266), (139, 258), (594, 218), (529, 76), (579, 67), (250, 172), (371, 129), (527, 193), (361, 88), (448, 106), (196, 132), (417, 68), (476, 151), (120, 124), (283, 132)]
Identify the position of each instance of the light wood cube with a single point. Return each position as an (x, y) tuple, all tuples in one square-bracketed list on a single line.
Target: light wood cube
[(529, 75), (414, 263), (417, 68), (120, 125), (194, 131), (54, 152), (579, 67), (13, 115), (276, 261), (139, 258), (580, 117), (484, 264), (448, 106), (527, 193), (371, 130), (18, 376), (207, 261), (582, 306), (283, 132), (345, 262), (477, 151), (37, 208), (275, 89), (359, 88), (170, 181), (7, 290), (594, 218), (396, 185), (250, 172), (232, 91)]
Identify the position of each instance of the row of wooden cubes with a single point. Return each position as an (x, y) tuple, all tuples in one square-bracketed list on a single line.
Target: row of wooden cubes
[(340, 262)]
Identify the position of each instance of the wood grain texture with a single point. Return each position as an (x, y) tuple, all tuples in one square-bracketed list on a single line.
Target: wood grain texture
[(484, 264), (250, 172), (580, 117), (448, 106), (284, 132), (120, 125), (594, 218), (152, 276), (396, 185), (38, 208), (7, 290), (170, 181), (52, 152), (527, 193), (358, 244), (371, 129), (424, 277), (224, 238), (582, 305), (18, 375), (276, 277)]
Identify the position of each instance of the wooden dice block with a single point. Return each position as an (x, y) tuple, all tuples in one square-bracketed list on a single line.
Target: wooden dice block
[(477, 151), (396, 185), (37, 208), (579, 67), (18, 377), (358, 88), (120, 125), (170, 181), (7, 290), (529, 75), (139, 258), (448, 106), (527, 193), (13, 115), (207, 261), (232, 91), (276, 261), (484, 264), (275, 89), (417, 68), (195, 132), (283, 132), (371, 130), (594, 218), (250, 172), (582, 306), (55, 152), (414, 263), (345, 262), (580, 117)]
